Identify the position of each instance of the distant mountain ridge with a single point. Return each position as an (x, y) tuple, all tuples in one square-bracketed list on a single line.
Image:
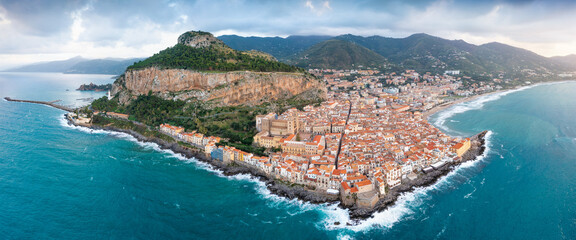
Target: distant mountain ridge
[(53, 66), (341, 54), (568, 61), (102, 66), (79, 65), (420, 52), (282, 49)]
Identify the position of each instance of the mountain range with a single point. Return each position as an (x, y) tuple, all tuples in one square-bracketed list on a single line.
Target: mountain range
[(420, 52), (569, 61), (80, 65), (341, 54), (283, 49)]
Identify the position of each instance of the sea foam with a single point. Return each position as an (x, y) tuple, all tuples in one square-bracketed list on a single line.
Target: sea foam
[(404, 205), (332, 213), (126, 136), (475, 104)]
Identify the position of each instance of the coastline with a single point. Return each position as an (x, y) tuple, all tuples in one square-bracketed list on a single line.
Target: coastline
[(425, 179), (447, 105), (276, 187), (282, 189)]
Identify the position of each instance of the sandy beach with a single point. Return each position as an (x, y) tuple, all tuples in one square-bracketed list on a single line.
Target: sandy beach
[(446, 105)]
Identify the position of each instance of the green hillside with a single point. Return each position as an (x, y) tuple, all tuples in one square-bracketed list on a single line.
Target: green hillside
[(428, 53), (281, 48), (203, 52), (420, 52), (339, 54), (568, 62)]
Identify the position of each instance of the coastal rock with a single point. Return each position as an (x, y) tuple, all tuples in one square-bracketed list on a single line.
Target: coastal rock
[(299, 192), (230, 88), (275, 187), (423, 180), (94, 87)]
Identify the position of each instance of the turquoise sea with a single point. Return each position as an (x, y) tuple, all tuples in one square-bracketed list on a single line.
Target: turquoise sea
[(62, 182)]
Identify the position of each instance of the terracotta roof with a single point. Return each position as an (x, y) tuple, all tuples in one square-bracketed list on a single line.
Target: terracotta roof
[(363, 183)]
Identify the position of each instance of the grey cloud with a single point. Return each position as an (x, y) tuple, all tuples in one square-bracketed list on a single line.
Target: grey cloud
[(40, 18), (137, 23)]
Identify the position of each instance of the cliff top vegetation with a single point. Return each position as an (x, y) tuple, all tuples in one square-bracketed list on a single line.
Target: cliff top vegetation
[(202, 52)]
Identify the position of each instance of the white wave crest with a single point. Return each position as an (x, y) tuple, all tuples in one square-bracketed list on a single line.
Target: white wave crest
[(470, 194), (126, 136), (474, 104), (64, 122), (403, 206), (332, 212)]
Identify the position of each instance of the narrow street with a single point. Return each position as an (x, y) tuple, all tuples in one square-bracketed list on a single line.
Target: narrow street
[(342, 136)]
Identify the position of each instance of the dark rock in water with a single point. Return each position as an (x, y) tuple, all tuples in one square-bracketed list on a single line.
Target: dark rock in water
[(94, 87), (424, 179), (293, 191)]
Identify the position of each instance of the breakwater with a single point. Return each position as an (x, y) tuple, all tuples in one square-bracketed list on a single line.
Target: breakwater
[(51, 103)]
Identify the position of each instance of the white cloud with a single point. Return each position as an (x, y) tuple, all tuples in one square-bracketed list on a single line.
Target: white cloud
[(310, 5), (77, 28), (3, 19), (321, 9), (139, 28)]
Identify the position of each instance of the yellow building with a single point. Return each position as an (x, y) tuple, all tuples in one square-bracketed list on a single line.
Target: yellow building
[(264, 140), (462, 147), (294, 147)]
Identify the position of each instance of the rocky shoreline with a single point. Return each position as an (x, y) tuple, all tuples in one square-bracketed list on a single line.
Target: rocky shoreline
[(282, 189), (477, 149), (276, 187)]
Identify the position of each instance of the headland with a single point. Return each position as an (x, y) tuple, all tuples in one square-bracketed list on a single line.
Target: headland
[(282, 187)]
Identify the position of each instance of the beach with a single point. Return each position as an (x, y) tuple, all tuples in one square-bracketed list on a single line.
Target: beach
[(446, 105)]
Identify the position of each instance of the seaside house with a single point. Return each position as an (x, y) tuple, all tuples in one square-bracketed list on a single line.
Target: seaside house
[(171, 130), (462, 147)]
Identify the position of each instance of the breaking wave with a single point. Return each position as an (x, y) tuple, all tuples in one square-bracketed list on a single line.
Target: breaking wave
[(404, 205), (475, 104), (126, 136), (333, 217)]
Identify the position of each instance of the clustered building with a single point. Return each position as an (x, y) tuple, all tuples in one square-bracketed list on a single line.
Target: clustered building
[(207, 143), (360, 143)]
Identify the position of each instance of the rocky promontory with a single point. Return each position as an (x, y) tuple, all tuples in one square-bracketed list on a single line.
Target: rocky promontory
[(202, 67), (292, 191), (94, 87), (227, 88), (477, 148)]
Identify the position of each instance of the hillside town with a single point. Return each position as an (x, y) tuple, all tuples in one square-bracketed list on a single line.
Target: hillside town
[(360, 143)]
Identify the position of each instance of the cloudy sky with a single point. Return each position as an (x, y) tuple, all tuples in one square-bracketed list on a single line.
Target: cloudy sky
[(39, 30)]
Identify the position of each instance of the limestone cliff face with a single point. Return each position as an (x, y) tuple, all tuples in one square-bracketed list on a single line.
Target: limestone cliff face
[(197, 39), (230, 88)]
